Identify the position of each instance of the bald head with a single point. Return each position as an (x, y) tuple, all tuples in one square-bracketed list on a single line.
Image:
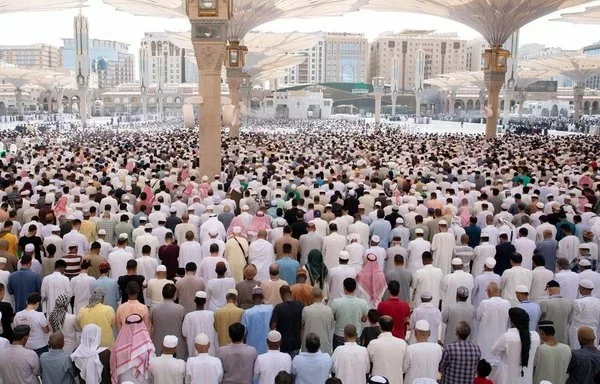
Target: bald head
[(586, 336), (262, 234), (493, 290)]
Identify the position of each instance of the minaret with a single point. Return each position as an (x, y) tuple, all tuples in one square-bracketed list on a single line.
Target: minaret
[(395, 80), (82, 60), (419, 79)]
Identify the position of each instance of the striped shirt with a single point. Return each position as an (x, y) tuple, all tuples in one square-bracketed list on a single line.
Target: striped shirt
[(584, 365), (73, 265)]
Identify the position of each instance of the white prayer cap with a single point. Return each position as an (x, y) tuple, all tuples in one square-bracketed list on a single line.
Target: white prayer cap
[(274, 337), (399, 220), (586, 283), (457, 261), (124, 236), (201, 295), (170, 341), (344, 255), (237, 230), (25, 193), (128, 188), (48, 200), (172, 210), (210, 207), (148, 226), (54, 228), (490, 262), (585, 263), (102, 232), (3, 260), (378, 204), (143, 218), (161, 268), (540, 205), (29, 248), (361, 206), (204, 178), (426, 295), (522, 289), (245, 208), (70, 217), (504, 206), (419, 230), (443, 222), (232, 291), (202, 339), (375, 239), (422, 325)]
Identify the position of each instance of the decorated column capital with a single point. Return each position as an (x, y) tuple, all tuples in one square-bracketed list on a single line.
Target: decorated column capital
[(210, 55)]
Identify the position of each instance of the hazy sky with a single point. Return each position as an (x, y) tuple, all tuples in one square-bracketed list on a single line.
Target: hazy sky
[(106, 23)]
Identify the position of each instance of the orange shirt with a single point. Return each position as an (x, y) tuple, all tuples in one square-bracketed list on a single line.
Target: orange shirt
[(132, 307)]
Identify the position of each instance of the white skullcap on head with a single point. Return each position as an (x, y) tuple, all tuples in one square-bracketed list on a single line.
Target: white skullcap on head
[(202, 339), (375, 239), (201, 295), (422, 325), (274, 336), (490, 262), (29, 248), (100, 232), (443, 222), (232, 291), (522, 289), (419, 230), (586, 283), (124, 236), (161, 268), (344, 255), (170, 341), (237, 230), (457, 261), (3, 260), (245, 208)]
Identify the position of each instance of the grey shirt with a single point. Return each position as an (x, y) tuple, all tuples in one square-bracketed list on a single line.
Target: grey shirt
[(167, 319), (56, 367), (19, 365), (548, 249), (558, 309), (318, 318), (452, 315), (402, 276), (238, 363), (307, 243)]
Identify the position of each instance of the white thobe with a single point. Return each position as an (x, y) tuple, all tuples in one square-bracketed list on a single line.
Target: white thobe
[(451, 282), (321, 226), (204, 369), (53, 286), (492, 323), (58, 243), (216, 290), (146, 266), (513, 277), (350, 363), (262, 255), (160, 232), (568, 248), (586, 312), (427, 279), (105, 248), (146, 239), (77, 238), (482, 252), (415, 254), (431, 313), (335, 279), (166, 369), (595, 278), (197, 322), (508, 350), (380, 253), (269, 364), (540, 277), (118, 262), (332, 246), (422, 361), (206, 269), (80, 286), (525, 247), (569, 284), (362, 230), (442, 246), (480, 285), (212, 224), (492, 233), (190, 252), (386, 352), (206, 247), (356, 252), (8, 298)]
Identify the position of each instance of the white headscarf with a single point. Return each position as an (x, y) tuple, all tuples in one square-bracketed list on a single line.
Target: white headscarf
[(86, 356)]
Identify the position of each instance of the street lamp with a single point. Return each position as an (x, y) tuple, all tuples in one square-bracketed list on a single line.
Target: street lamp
[(378, 87)]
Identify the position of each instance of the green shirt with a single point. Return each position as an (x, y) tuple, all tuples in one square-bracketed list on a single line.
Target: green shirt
[(349, 310)]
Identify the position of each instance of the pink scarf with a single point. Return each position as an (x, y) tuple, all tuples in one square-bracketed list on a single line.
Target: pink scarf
[(465, 216), (60, 209), (133, 349), (188, 189), (371, 280)]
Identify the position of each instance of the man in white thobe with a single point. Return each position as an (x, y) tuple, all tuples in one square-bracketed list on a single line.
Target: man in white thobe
[(585, 272), (451, 282), (55, 285), (540, 277), (511, 278), (361, 229), (356, 252), (350, 362), (426, 311), (482, 281), (386, 352), (586, 312), (190, 251), (200, 321), (212, 225), (332, 246), (118, 259), (80, 285), (213, 240), (415, 250), (147, 239), (442, 246), (262, 255), (427, 279), (203, 368), (492, 321), (483, 251), (166, 369), (337, 275), (378, 251), (269, 364), (525, 246), (423, 357), (568, 246), (568, 280)]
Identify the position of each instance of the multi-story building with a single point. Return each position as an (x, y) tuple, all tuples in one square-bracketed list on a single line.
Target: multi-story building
[(32, 56), (335, 58), (444, 53), (110, 60), (475, 49), (162, 62), (593, 50)]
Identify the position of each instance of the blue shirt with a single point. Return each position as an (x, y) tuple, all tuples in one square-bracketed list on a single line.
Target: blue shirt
[(56, 367), (257, 321), (534, 311), (311, 368), (111, 290), (288, 269), (381, 228), (21, 284)]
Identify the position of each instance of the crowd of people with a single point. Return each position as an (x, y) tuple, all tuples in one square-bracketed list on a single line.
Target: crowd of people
[(557, 123), (323, 252)]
